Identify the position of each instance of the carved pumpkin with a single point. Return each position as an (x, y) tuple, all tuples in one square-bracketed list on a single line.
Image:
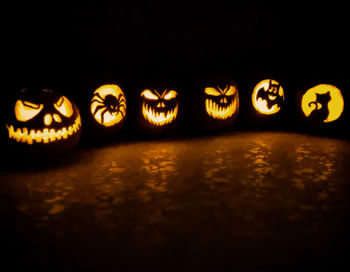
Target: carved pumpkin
[(221, 103), (45, 120), (108, 106), (321, 104), (216, 102), (268, 97), (159, 107)]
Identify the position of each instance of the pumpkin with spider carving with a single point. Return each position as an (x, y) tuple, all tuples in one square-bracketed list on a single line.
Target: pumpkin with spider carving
[(104, 110), (108, 106)]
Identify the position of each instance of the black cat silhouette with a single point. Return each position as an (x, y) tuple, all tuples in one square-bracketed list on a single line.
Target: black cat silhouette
[(320, 114)]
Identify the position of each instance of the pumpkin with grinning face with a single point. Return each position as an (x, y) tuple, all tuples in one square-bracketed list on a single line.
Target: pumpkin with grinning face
[(220, 103), (215, 102), (159, 108), (41, 117)]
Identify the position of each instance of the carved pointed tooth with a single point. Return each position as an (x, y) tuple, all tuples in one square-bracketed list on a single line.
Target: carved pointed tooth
[(10, 130), (64, 133), (32, 136), (46, 135), (58, 135), (52, 135), (38, 136)]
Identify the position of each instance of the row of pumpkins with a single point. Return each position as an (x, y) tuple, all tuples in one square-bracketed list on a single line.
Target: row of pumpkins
[(45, 120)]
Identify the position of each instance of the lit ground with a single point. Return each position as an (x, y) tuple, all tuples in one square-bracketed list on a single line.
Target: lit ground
[(244, 201)]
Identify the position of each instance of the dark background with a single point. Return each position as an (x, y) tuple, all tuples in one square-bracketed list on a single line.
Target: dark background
[(64, 46), (74, 47)]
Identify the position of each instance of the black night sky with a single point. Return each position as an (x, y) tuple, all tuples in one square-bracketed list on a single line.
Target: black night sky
[(58, 43), (258, 197)]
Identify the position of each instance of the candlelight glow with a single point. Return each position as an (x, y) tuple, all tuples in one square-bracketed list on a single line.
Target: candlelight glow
[(324, 102)]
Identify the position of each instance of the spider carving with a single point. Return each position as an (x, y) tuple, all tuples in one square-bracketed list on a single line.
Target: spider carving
[(108, 109)]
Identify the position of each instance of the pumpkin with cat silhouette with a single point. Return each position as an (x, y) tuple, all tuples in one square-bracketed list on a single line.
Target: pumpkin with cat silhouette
[(322, 105)]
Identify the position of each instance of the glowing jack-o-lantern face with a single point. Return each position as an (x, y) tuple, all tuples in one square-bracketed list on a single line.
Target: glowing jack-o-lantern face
[(159, 108), (108, 105), (322, 104), (43, 117), (268, 97), (220, 103)]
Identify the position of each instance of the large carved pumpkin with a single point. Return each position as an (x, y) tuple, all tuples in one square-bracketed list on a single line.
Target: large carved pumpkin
[(41, 120)]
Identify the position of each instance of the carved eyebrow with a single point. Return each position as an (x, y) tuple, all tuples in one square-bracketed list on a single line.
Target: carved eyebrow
[(31, 105), (160, 96), (224, 90), (60, 101)]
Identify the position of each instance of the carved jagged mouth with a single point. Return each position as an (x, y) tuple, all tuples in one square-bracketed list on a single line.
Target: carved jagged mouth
[(43, 136), (218, 112), (159, 118), (272, 97)]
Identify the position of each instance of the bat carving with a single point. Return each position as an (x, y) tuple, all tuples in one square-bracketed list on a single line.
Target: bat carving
[(271, 95)]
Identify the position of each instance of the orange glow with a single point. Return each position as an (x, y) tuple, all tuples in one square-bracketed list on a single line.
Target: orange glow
[(222, 110), (333, 106), (267, 105), (25, 110), (43, 136), (108, 105), (159, 118), (217, 112), (149, 95), (158, 115), (64, 106)]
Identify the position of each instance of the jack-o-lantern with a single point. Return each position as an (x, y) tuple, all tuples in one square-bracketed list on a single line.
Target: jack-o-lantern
[(159, 107), (44, 120), (215, 102), (221, 103), (323, 103), (268, 97), (108, 106)]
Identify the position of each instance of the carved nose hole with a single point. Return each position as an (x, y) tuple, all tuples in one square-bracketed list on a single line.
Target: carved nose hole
[(223, 100), (47, 119), (161, 105), (57, 118)]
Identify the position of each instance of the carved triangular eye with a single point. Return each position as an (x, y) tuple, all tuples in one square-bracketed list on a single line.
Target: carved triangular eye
[(170, 95), (212, 91), (231, 90), (25, 110), (64, 106), (148, 94)]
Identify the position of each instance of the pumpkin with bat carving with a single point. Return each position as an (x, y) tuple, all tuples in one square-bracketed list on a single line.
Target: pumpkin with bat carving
[(159, 108), (216, 102), (43, 120), (268, 97)]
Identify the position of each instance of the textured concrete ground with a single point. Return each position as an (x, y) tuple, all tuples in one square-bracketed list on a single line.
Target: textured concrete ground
[(243, 201)]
